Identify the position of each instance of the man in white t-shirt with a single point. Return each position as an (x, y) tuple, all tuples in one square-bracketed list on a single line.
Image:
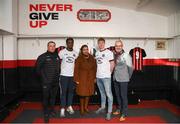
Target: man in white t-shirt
[(105, 65), (67, 85)]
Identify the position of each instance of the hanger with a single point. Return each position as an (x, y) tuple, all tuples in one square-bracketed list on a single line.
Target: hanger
[(137, 45)]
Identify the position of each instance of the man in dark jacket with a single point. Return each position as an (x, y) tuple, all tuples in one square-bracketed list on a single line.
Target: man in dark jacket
[(48, 68)]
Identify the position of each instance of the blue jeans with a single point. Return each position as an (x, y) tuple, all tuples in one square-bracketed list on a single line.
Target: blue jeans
[(104, 85)]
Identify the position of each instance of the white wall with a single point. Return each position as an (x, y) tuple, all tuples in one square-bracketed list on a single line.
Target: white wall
[(177, 47), (9, 47), (124, 23), (174, 46), (174, 24), (32, 48), (15, 16), (1, 57), (8, 15), (174, 32)]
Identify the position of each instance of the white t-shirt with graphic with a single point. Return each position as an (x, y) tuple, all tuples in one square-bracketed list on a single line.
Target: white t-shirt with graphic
[(67, 63), (103, 59)]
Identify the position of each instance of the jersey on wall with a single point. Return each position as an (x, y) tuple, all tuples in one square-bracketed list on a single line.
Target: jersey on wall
[(111, 48), (60, 48), (137, 54)]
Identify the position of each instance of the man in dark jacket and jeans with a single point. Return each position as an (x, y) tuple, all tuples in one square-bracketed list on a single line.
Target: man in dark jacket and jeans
[(48, 68)]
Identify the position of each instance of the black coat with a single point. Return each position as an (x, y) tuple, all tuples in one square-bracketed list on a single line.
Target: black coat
[(48, 67)]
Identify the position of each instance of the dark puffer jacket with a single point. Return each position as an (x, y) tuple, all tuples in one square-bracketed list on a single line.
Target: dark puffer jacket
[(48, 67)]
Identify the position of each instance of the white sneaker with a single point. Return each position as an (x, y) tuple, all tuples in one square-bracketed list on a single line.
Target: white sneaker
[(70, 110), (62, 112)]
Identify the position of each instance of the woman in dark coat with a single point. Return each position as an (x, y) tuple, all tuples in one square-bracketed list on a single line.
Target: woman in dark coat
[(85, 76)]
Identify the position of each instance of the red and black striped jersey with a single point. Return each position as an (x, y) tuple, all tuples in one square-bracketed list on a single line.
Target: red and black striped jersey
[(58, 49), (137, 55), (111, 48)]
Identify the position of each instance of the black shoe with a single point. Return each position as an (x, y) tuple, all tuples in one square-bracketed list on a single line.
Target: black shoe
[(46, 118)]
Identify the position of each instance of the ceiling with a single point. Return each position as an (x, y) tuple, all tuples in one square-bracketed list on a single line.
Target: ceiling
[(160, 7)]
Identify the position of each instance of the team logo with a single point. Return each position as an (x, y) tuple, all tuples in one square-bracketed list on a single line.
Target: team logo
[(99, 60), (103, 55), (74, 55), (69, 59), (94, 15)]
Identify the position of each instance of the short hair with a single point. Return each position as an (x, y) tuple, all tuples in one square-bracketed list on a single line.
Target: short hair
[(51, 42), (119, 41), (101, 39), (69, 39)]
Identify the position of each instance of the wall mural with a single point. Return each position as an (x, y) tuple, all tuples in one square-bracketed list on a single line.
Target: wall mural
[(94, 15)]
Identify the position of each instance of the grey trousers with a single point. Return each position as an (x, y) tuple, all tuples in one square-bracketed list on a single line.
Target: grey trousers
[(121, 91)]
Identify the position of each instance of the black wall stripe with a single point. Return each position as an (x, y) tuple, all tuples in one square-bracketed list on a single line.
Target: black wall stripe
[(155, 82)]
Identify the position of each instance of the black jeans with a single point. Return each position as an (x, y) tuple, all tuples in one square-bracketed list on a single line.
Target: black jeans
[(121, 91), (49, 96)]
